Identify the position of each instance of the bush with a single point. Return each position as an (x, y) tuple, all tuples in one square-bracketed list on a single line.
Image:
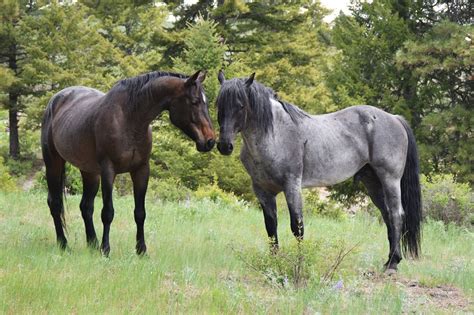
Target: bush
[(123, 184), (298, 264), (292, 266), (446, 200), (7, 183), (19, 168), (168, 190), (232, 174), (314, 205), (73, 180), (214, 193)]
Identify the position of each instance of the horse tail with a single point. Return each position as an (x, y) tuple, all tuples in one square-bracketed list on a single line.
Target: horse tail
[(411, 197), (48, 148), (63, 189)]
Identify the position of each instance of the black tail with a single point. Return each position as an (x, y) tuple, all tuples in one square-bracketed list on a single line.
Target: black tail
[(48, 149), (411, 198), (63, 188)]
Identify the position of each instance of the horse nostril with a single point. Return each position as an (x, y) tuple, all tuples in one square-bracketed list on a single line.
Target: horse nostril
[(210, 143), (230, 147)]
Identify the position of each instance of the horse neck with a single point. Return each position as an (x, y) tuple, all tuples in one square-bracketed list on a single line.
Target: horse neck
[(253, 133), (153, 100)]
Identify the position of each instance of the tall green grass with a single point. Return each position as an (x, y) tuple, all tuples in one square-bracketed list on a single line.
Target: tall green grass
[(194, 265)]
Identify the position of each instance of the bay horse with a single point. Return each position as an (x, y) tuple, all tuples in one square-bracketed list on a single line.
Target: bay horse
[(107, 134), (285, 149)]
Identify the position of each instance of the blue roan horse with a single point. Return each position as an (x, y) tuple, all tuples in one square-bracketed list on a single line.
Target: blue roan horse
[(286, 149)]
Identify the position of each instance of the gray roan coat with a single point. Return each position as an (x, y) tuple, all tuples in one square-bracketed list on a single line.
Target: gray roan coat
[(286, 149)]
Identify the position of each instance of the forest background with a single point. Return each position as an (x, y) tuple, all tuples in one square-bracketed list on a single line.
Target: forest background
[(408, 57)]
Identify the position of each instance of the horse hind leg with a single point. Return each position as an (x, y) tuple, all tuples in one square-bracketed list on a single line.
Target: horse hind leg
[(376, 193), (391, 190), (55, 173), (90, 183)]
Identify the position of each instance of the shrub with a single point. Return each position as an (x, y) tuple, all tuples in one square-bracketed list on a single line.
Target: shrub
[(168, 190), (314, 205), (446, 200), (19, 168), (292, 266), (299, 264), (231, 173), (214, 193), (7, 183), (73, 180), (123, 184)]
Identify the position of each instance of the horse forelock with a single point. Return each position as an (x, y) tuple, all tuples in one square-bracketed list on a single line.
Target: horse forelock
[(259, 99)]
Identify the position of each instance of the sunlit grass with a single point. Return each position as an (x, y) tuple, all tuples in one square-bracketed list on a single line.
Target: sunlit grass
[(192, 264)]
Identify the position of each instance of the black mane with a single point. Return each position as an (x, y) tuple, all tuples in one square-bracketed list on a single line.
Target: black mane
[(134, 85), (259, 101)]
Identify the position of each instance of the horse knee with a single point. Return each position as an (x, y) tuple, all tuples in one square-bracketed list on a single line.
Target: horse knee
[(55, 206), (140, 215), (86, 206), (107, 215)]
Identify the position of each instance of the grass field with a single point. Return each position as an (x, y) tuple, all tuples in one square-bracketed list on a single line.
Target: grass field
[(198, 262)]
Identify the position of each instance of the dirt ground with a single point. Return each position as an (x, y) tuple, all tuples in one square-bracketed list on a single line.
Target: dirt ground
[(445, 298)]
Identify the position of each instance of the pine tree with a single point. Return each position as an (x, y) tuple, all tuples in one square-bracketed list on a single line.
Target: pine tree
[(136, 27), (47, 48), (442, 63)]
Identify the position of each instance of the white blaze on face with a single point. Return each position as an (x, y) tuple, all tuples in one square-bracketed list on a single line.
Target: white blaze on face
[(204, 97)]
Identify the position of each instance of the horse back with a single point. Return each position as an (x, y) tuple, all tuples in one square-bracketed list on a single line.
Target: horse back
[(69, 126), (341, 143)]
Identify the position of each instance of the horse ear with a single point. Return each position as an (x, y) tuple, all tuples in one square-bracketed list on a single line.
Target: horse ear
[(202, 76), (221, 77), (192, 79), (250, 80)]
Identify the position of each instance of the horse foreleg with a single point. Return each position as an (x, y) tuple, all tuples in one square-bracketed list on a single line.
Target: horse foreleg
[(140, 184), (268, 204), (295, 206), (107, 215), (90, 184)]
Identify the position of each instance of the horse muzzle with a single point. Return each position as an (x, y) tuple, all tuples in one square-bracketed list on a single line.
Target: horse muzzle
[(205, 146), (225, 148)]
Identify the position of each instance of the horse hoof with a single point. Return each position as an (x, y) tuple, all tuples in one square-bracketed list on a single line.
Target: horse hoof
[(93, 244), (105, 251), (62, 244), (141, 250), (390, 272)]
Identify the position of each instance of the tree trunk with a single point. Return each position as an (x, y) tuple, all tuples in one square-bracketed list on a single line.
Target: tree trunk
[(13, 124), (13, 106)]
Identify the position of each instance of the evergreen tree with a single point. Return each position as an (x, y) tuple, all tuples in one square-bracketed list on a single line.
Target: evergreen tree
[(136, 27), (50, 47), (11, 54), (397, 55), (442, 63)]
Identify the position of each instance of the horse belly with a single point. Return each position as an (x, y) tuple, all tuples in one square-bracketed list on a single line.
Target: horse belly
[(330, 169)]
